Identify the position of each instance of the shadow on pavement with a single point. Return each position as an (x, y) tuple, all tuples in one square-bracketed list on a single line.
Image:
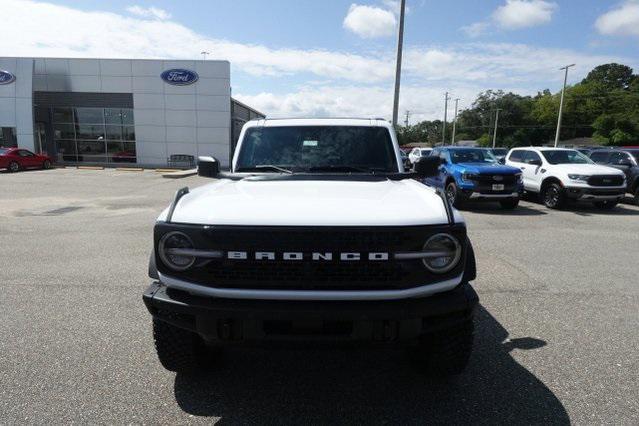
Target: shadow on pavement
[(359, 386)]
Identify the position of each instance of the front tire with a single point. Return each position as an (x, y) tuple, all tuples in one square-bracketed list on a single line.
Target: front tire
[(447, 352), (46, 164), (14, 167), (553, 196), (453, 195), (510, 204), (177, 349), (605, 205)]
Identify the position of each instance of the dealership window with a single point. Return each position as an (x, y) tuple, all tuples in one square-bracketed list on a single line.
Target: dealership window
[(94, 135), (8, 137)]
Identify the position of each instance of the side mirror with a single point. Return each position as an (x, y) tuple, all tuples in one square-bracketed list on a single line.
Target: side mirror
[(502, 161), (208, 167), (427, 167)]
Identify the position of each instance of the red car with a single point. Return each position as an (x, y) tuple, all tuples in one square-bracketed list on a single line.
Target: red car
[(14, 159)]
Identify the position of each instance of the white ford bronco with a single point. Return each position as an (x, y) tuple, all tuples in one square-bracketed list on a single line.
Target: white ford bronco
[(560, 175), (315, 234)]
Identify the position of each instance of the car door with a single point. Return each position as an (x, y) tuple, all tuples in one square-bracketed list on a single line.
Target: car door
[(516, 159), (435, 180), (621, 161), (532, 170)]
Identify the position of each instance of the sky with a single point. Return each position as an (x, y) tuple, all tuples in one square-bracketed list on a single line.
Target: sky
[(337, 58)]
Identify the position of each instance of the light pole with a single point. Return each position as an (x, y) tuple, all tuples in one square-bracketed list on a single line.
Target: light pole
[(561, 103), (496, 122), (455, 122), (446, 98), (398, 66), (204, 53)]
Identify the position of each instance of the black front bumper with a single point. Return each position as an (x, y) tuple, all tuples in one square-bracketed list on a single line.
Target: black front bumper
[(595, 194), (225, 321)]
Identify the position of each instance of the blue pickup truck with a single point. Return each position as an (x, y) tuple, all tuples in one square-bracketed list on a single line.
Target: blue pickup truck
[(474, 174)]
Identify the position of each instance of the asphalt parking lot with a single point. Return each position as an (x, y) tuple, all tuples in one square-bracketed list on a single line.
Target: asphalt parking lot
[(557, 338)]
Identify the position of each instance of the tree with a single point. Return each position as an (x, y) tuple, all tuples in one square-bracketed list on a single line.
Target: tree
[(612, 76)]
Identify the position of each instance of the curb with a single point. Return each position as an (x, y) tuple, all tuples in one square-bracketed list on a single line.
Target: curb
[(180, 174), (129, 169)]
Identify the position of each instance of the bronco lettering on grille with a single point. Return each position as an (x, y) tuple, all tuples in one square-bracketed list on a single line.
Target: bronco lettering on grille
[(315, 256)]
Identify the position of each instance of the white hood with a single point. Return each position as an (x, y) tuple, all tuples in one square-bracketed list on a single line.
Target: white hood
[(311, 203), (587, 169)]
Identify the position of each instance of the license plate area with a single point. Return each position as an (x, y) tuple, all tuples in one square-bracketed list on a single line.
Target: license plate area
[(498, 187)]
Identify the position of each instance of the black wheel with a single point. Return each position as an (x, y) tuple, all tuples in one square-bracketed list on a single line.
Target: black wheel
[(636, 200), (46, 164), (453, 195), (553, 196), (446, 352), (14, 167), (178, 350), (509, 204), (606, 205)]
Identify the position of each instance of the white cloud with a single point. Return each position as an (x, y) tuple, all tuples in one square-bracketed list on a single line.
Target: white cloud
[(476, 29), (623, 20), (150, 12), (369, 21), (517, 14)]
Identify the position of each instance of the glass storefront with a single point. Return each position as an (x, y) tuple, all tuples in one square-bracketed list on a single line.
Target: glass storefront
[(94, 135), (8, 137)]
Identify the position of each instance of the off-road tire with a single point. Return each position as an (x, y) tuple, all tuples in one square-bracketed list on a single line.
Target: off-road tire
[(553, 196), (178, 350), (13, 167), (605, 205), (510, 204), (453, 195), (446, 352)]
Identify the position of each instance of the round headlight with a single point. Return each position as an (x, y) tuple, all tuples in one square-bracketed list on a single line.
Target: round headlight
[(446, 252), (169, 251)]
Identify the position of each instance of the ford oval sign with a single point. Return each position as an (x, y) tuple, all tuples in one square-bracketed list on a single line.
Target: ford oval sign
[(6, 77), (179, 77)]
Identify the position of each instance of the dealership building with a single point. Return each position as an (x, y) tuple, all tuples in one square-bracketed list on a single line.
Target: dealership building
[(112, 111)]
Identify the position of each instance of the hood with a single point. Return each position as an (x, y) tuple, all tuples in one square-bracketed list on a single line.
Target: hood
[(587, 169), (311, 203), (488, 168)]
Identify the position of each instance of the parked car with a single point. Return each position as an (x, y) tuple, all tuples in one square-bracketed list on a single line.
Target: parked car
[(326, 240), (14, 159), (559, 175), (417, 153), (474, 174), (626, 160), (405, 160), (498, 153)]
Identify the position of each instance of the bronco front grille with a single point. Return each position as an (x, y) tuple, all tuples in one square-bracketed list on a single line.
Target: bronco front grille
[(307, 274)]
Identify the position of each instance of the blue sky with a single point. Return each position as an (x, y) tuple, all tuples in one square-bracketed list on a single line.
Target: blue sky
[(309, 57)]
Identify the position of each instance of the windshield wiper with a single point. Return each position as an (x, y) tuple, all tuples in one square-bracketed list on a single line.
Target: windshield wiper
[(260, 167), (341, 168)]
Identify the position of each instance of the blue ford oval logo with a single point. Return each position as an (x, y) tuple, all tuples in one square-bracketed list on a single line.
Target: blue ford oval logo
[(179, 77), (6, 77)]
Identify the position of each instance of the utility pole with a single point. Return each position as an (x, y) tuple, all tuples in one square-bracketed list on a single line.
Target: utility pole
[(496, 122), (407, 116), (204, 53), (446, 98), (398, 67), (455, 122), (561, 103)]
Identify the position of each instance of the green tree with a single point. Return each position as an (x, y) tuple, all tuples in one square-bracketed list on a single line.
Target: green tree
[(611, 76)]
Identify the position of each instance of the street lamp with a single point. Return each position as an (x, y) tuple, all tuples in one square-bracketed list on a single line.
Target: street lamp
[(398, 66), (204, 53), (455, 121), (561, 103), (496, 122), (446, 99)]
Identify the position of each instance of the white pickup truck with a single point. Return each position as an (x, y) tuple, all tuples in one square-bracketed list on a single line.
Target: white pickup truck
[(315, 234), (559, 175)]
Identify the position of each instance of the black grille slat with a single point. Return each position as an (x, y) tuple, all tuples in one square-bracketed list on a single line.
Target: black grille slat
[(605, 180), (490, 179)]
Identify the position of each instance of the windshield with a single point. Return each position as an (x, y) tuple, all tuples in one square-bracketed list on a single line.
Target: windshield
[(635, 154), (425, 152), (471, 155), (317, 149), (3, 151), (500, 151), (565, 156)]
